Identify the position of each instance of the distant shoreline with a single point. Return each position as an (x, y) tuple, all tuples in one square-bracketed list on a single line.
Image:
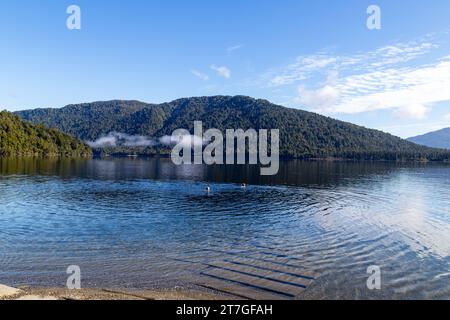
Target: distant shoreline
[(283, 158), (166, 156)]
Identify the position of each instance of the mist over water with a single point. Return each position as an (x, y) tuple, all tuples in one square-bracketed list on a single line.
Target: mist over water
[(309, 232)]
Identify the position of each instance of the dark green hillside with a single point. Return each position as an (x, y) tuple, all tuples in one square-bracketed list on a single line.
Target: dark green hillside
[(20, 138), (89, 120), (303, 134)]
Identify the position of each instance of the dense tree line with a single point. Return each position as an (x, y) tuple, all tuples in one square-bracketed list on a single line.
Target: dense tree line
[(20, 138), (303, 134)]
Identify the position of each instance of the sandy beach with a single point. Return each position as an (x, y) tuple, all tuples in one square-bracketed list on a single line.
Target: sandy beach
[(10, 293)]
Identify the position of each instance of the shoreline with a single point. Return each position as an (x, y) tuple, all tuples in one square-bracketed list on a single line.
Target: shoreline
[(54, 294), (282, 158)]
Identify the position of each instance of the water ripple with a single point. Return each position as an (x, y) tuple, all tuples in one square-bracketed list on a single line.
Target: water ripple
[(127, 227)]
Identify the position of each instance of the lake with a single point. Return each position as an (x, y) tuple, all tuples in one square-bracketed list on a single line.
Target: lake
[(311, 232)]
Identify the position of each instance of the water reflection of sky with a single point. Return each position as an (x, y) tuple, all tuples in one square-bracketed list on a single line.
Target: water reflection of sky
[(130, 215)]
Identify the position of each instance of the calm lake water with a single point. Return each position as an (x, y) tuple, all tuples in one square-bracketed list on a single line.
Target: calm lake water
[(310, 232)]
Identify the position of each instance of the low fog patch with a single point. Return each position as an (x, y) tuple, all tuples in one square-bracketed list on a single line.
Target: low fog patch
[(117, 139)]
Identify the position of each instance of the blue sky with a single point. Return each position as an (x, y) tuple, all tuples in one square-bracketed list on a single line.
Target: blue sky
[(315, 55)]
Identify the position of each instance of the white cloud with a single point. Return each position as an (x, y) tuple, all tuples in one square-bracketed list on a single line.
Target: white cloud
[(319, 99), (322, 98), (447, 116), (413, 111), (402, 52), (114, 139), (234, 48), (108, 141), (307, 66), (387, 78), (301, 69), (394, 88), (200, 75), (222, 71)]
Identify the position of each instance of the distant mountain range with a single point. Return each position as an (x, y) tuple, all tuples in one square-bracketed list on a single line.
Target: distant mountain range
[(436, 139), (20, 138), (303, 134)]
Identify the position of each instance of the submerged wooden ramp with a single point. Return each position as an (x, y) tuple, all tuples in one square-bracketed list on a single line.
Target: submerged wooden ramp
[(253, 275)]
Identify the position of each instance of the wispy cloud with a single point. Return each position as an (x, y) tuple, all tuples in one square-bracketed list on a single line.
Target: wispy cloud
[(399, 88), (118, 139), (300, 70), (200, 75), (307, 66), (234, 48), (390, 77), (222, 71), (413, 111), (323, 97), (114, 139)]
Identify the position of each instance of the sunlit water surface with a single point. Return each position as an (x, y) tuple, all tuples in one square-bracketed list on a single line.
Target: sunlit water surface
[(309, 232)]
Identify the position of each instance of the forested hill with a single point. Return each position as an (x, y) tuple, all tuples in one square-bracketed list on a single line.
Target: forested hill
[(19, 138), (303, 134)]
